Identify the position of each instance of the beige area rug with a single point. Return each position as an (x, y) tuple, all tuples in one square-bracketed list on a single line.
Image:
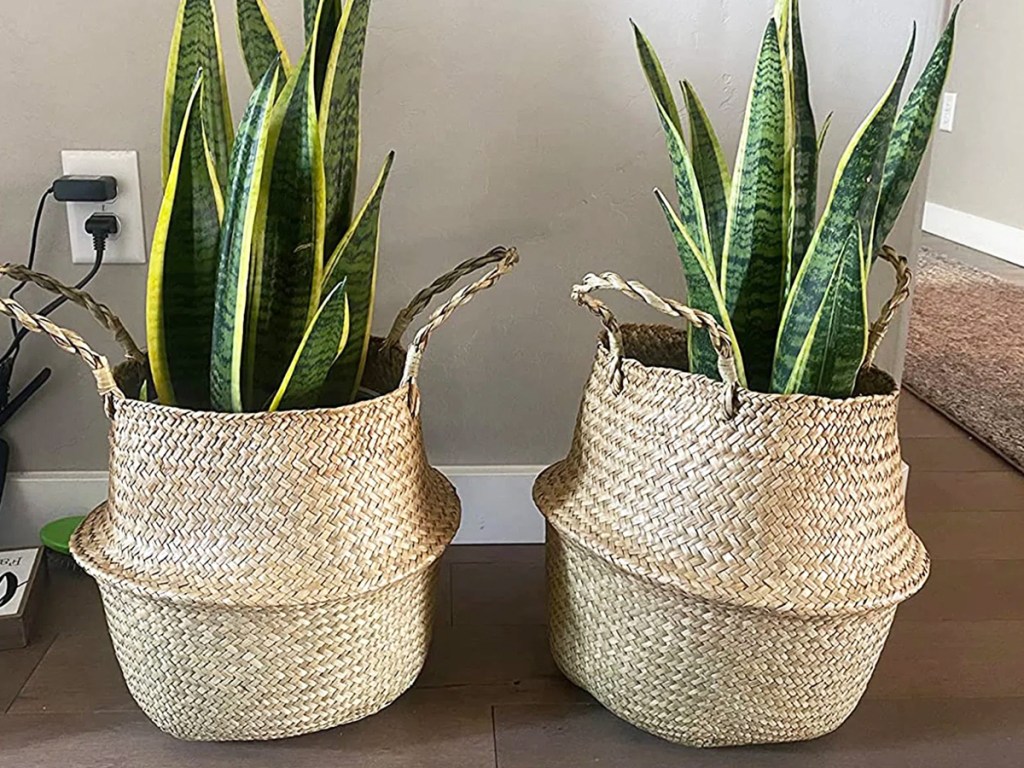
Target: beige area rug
[(965, 352)]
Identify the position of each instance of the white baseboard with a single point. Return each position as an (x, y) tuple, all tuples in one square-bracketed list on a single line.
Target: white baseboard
[(497, 507), (999, 240)]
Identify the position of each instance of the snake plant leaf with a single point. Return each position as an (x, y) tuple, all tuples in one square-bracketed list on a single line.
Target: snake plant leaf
[(183, 268), (326, 333), (703, 293), (339, 119), (288, 245), (691, 207), (326, 27), (355, 261), (195, 45), (234, 270), (837, 341), (656, 79), (912, 133), (823, 134), (802, 174), (783, 13), (309, 11), (711, 171), (753, 263), (802, 363), (261, 42)]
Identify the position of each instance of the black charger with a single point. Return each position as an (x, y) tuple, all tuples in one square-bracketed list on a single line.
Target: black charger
[(100, 225), (85, 189)]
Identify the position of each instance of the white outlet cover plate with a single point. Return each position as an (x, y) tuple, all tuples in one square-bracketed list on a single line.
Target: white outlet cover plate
[(129, 245), (947, 118)]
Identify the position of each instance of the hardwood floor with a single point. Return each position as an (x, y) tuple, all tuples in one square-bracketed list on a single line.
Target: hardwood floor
[(948, 692)]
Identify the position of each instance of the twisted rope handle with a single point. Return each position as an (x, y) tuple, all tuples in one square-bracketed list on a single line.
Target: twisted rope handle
[(100, 312), (888, 313), (422, 300), (504, 260), (71, 342), (720, 340)]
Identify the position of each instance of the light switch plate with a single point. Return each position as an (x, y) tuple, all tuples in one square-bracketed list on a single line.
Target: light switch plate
[(129, 245)]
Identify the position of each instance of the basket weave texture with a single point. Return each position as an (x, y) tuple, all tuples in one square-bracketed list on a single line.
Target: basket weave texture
[(724, 565), (266, 575)]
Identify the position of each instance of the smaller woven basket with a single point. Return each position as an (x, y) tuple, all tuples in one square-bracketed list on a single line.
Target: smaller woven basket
[(723, 565), (266, 575)]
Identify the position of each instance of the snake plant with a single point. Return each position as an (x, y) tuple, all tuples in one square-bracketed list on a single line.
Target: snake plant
[(789, 286), (262, 272)]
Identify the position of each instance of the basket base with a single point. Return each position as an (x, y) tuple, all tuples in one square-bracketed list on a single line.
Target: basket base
[(275, 727), (224, 673), (699, 673)]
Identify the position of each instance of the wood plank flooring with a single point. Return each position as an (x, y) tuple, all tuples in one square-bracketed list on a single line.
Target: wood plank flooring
[(948, 692)]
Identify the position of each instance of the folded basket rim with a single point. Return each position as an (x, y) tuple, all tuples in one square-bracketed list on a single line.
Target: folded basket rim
[(889, 388), (87, 548)]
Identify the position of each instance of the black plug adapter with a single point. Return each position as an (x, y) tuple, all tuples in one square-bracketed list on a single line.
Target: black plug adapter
[(85, 189), (102, 225)]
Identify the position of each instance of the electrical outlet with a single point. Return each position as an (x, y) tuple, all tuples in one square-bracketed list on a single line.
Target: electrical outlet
[(128, 246), (948, 117)]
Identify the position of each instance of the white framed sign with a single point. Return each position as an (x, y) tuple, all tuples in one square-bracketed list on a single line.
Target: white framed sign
[(18, 568)]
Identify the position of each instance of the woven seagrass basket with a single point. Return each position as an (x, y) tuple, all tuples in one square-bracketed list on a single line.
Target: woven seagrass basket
[(266, 575), (723, 565)]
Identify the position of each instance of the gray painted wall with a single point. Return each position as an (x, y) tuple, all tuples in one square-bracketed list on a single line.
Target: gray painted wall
[(526, 123), (979, 167)]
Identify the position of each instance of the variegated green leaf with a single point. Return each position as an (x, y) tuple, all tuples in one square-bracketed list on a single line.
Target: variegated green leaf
[(783, 9), (183, 269), (325, 30), (309, 11), (912, 133), (339, 119), (823, 134), (849, 217), (802, 173), (195, 46), (837, 341), (260, 40), (703, 293), (691, 207), (656, 79), (355, 260), (234, 271), (753, 263), (326, 333), (288, 246), (711, 170)]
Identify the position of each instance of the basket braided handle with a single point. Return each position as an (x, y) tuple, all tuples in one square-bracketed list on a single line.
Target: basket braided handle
[(71, 342), (581, 294), (503, 259), (100, 312), (888, 313)]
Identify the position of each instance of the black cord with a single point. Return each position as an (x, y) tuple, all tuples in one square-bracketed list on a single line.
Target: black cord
[(100, 246), (12, 351), (101, 226)]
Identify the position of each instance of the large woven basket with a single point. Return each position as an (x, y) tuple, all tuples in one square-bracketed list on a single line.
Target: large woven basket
[(265, 575), (723, 565)]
